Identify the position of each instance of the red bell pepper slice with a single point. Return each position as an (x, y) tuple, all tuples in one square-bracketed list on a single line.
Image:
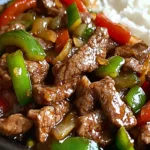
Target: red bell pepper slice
[(80, 4), (116, 32), (144, 115), (62, 38), (16, 8)]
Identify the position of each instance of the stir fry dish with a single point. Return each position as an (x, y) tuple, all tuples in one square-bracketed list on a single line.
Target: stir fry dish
[(71, 79)]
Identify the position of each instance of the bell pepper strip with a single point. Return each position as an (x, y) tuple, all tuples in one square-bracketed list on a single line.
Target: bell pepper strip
[(123, 140), (126, 80), (116, 31), (79, 3), (135, 98), (62, 38), (74, 19), (87, 33), (75, 143), (144, 115), (20, 77), (112, 68), (16, 8), (23, 40)]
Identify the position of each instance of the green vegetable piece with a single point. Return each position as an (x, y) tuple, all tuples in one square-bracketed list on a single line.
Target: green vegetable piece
[(20, 77), (112, 68), (135, 98), (75, 143), (30, 143), (123, 140), (126, 80), (87, 33), (23, 40), (74, 18)]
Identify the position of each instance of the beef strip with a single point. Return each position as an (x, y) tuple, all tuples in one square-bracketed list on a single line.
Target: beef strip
[(10, 27), (51, 8), (46, 95), (114, 108), (145, 133), (85, 58), (37, 70), (47, 117), (92, 126), (139, 51), (132, 64), (84, 101), (14, 124)]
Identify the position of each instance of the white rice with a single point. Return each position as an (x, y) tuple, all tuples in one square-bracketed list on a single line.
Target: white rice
[(135, 14)]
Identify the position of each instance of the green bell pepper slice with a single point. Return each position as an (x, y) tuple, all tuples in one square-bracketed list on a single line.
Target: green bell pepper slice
[(75, 143), (126, 80), (74, 19), (112, 68), (25, 42), (20, 77), (123, 140), (136, 98)]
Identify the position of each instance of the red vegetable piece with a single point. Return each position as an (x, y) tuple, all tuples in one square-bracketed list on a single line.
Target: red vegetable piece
[(80, 5), (146, 88), (63, 36), (16, 8), (144, 115), (116, 31)]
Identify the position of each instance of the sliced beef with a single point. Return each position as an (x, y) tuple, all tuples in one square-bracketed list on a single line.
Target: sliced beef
[(10, 27), (85, 58), (114, 108), (92, 126), (132, 64), (37, 70), (84, 101), (139, 51), (47, 117), (145, 133), (51, 8), (14, 124), (46, 95)]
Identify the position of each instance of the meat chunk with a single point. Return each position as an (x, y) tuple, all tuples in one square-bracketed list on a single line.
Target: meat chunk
[(37, 70), (46, 95), (84, 101), (14, 124), (136, 54), (85, 59), (10, 27), (92, 126), (114, 108), (132, 64), (145, 134), (51, 7), (47, 117)]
